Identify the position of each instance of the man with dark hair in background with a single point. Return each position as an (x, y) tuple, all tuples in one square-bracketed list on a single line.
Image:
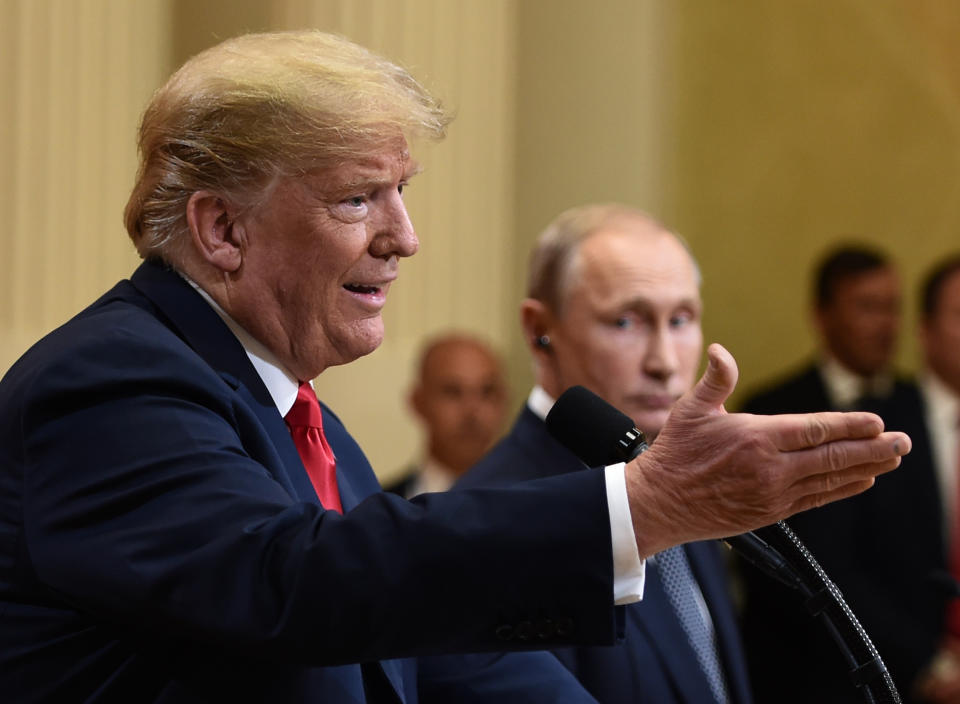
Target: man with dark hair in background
[(613, 304), (460, 398), (883, 550), (935, 420), (856, 313)]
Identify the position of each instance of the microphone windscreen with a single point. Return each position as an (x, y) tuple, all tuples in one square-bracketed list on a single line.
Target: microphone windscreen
[(588, 426)]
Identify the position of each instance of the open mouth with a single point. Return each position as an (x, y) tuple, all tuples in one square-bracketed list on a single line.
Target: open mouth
[(361, 288)]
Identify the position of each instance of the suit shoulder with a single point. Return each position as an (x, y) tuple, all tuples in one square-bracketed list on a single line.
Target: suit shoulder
[(116, 341), (799, 391)]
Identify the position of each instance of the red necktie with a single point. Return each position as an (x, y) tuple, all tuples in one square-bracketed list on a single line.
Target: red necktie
[(953, 609), (305, 422)]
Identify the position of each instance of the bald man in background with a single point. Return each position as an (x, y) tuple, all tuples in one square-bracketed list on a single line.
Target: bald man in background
[(613, 304), (460, 399)]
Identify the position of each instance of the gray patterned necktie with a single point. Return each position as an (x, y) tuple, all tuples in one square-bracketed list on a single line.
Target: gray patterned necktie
[(682, 591)]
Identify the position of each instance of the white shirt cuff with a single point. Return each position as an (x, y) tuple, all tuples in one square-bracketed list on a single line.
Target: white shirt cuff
[(629, 571)]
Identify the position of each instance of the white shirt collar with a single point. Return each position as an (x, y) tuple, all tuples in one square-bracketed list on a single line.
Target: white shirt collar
[(433, 477), (845, 388), (540, 402), (280, 383), (942, 403)]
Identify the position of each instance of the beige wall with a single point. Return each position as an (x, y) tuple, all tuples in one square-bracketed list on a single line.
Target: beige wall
[(761, 131), (74, 77), (795, 124)]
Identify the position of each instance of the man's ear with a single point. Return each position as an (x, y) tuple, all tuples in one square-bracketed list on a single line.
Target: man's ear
[(416, 401), (213, 230), (537, 322)]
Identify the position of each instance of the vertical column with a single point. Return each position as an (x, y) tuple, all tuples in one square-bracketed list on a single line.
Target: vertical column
[(78, 75)]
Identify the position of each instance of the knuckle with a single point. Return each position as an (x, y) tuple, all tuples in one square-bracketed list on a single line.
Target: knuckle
[(837, 456), (816, 431)]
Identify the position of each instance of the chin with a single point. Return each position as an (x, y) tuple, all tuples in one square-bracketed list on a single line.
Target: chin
[(364, 339), (650, 422)]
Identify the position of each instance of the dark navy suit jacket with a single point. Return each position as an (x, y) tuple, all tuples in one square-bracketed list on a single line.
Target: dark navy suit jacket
[(882, 548), (655, 663), (161, 542)]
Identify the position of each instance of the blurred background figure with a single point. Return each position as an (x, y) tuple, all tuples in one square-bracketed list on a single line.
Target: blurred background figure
[(460, 398), (885, 550), (613, 304), (937, 427), (856, 313)]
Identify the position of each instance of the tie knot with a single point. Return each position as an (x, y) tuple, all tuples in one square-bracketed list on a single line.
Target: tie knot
[(306, 409)]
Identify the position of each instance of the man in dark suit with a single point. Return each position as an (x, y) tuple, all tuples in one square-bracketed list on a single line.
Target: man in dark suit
[(624, 321), (936, 421), (182, 521), (460, 398), (882, 549)]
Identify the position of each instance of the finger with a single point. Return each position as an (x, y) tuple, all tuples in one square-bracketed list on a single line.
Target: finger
[(717, 382), (840, 455), (826, 482), (796, 431), (836, 494)]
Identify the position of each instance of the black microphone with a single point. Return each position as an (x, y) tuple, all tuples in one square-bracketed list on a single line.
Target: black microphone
[(600, 435)]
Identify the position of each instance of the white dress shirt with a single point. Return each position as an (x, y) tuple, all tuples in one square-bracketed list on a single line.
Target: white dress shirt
[(941, 412), (845, 388)]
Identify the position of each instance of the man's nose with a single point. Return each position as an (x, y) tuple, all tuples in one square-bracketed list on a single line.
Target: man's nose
[(660, 358), (396, 235)]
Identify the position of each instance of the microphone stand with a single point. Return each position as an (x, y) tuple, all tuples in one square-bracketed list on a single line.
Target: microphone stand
[(778, 551), (599, 435)]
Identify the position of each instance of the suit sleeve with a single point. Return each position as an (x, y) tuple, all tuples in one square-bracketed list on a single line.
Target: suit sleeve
[(151, 499)]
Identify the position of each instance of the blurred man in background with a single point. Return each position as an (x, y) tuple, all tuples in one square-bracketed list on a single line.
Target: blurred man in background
[(856, 313), (614, 305), (936, 423), (460, 398), (881, 550)]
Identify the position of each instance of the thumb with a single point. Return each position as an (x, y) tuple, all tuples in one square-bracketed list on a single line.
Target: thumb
[(716, 384)]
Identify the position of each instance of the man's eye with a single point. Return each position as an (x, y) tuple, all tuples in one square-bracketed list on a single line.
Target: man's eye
[(356, 201), (623, 322)]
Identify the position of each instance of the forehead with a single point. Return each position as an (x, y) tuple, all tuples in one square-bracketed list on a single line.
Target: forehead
[(634, 262), (384, 164), (458, 359), (882, 281)]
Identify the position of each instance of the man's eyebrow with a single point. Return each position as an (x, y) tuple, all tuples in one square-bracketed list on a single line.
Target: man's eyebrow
[(360, 180), (645, 302), (413, 168)]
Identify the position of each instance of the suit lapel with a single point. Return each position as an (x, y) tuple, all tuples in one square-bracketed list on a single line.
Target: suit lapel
[(549, 456), (201, 328)]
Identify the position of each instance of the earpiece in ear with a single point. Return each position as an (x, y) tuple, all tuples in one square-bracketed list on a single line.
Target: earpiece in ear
[(543, 341)]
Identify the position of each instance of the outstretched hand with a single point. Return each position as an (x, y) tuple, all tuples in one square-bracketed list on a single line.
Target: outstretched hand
[(711, 474)]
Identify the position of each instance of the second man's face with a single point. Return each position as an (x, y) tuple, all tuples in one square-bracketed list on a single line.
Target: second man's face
[(630, 330)]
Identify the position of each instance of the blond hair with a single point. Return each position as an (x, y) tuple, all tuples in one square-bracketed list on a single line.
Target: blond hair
[(552, 260), (258, 107)]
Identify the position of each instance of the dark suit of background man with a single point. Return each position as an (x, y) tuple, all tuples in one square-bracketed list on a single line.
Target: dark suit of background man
[(936, 423), (161, 538), (460, 398), (880, 548), (614, 305)]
